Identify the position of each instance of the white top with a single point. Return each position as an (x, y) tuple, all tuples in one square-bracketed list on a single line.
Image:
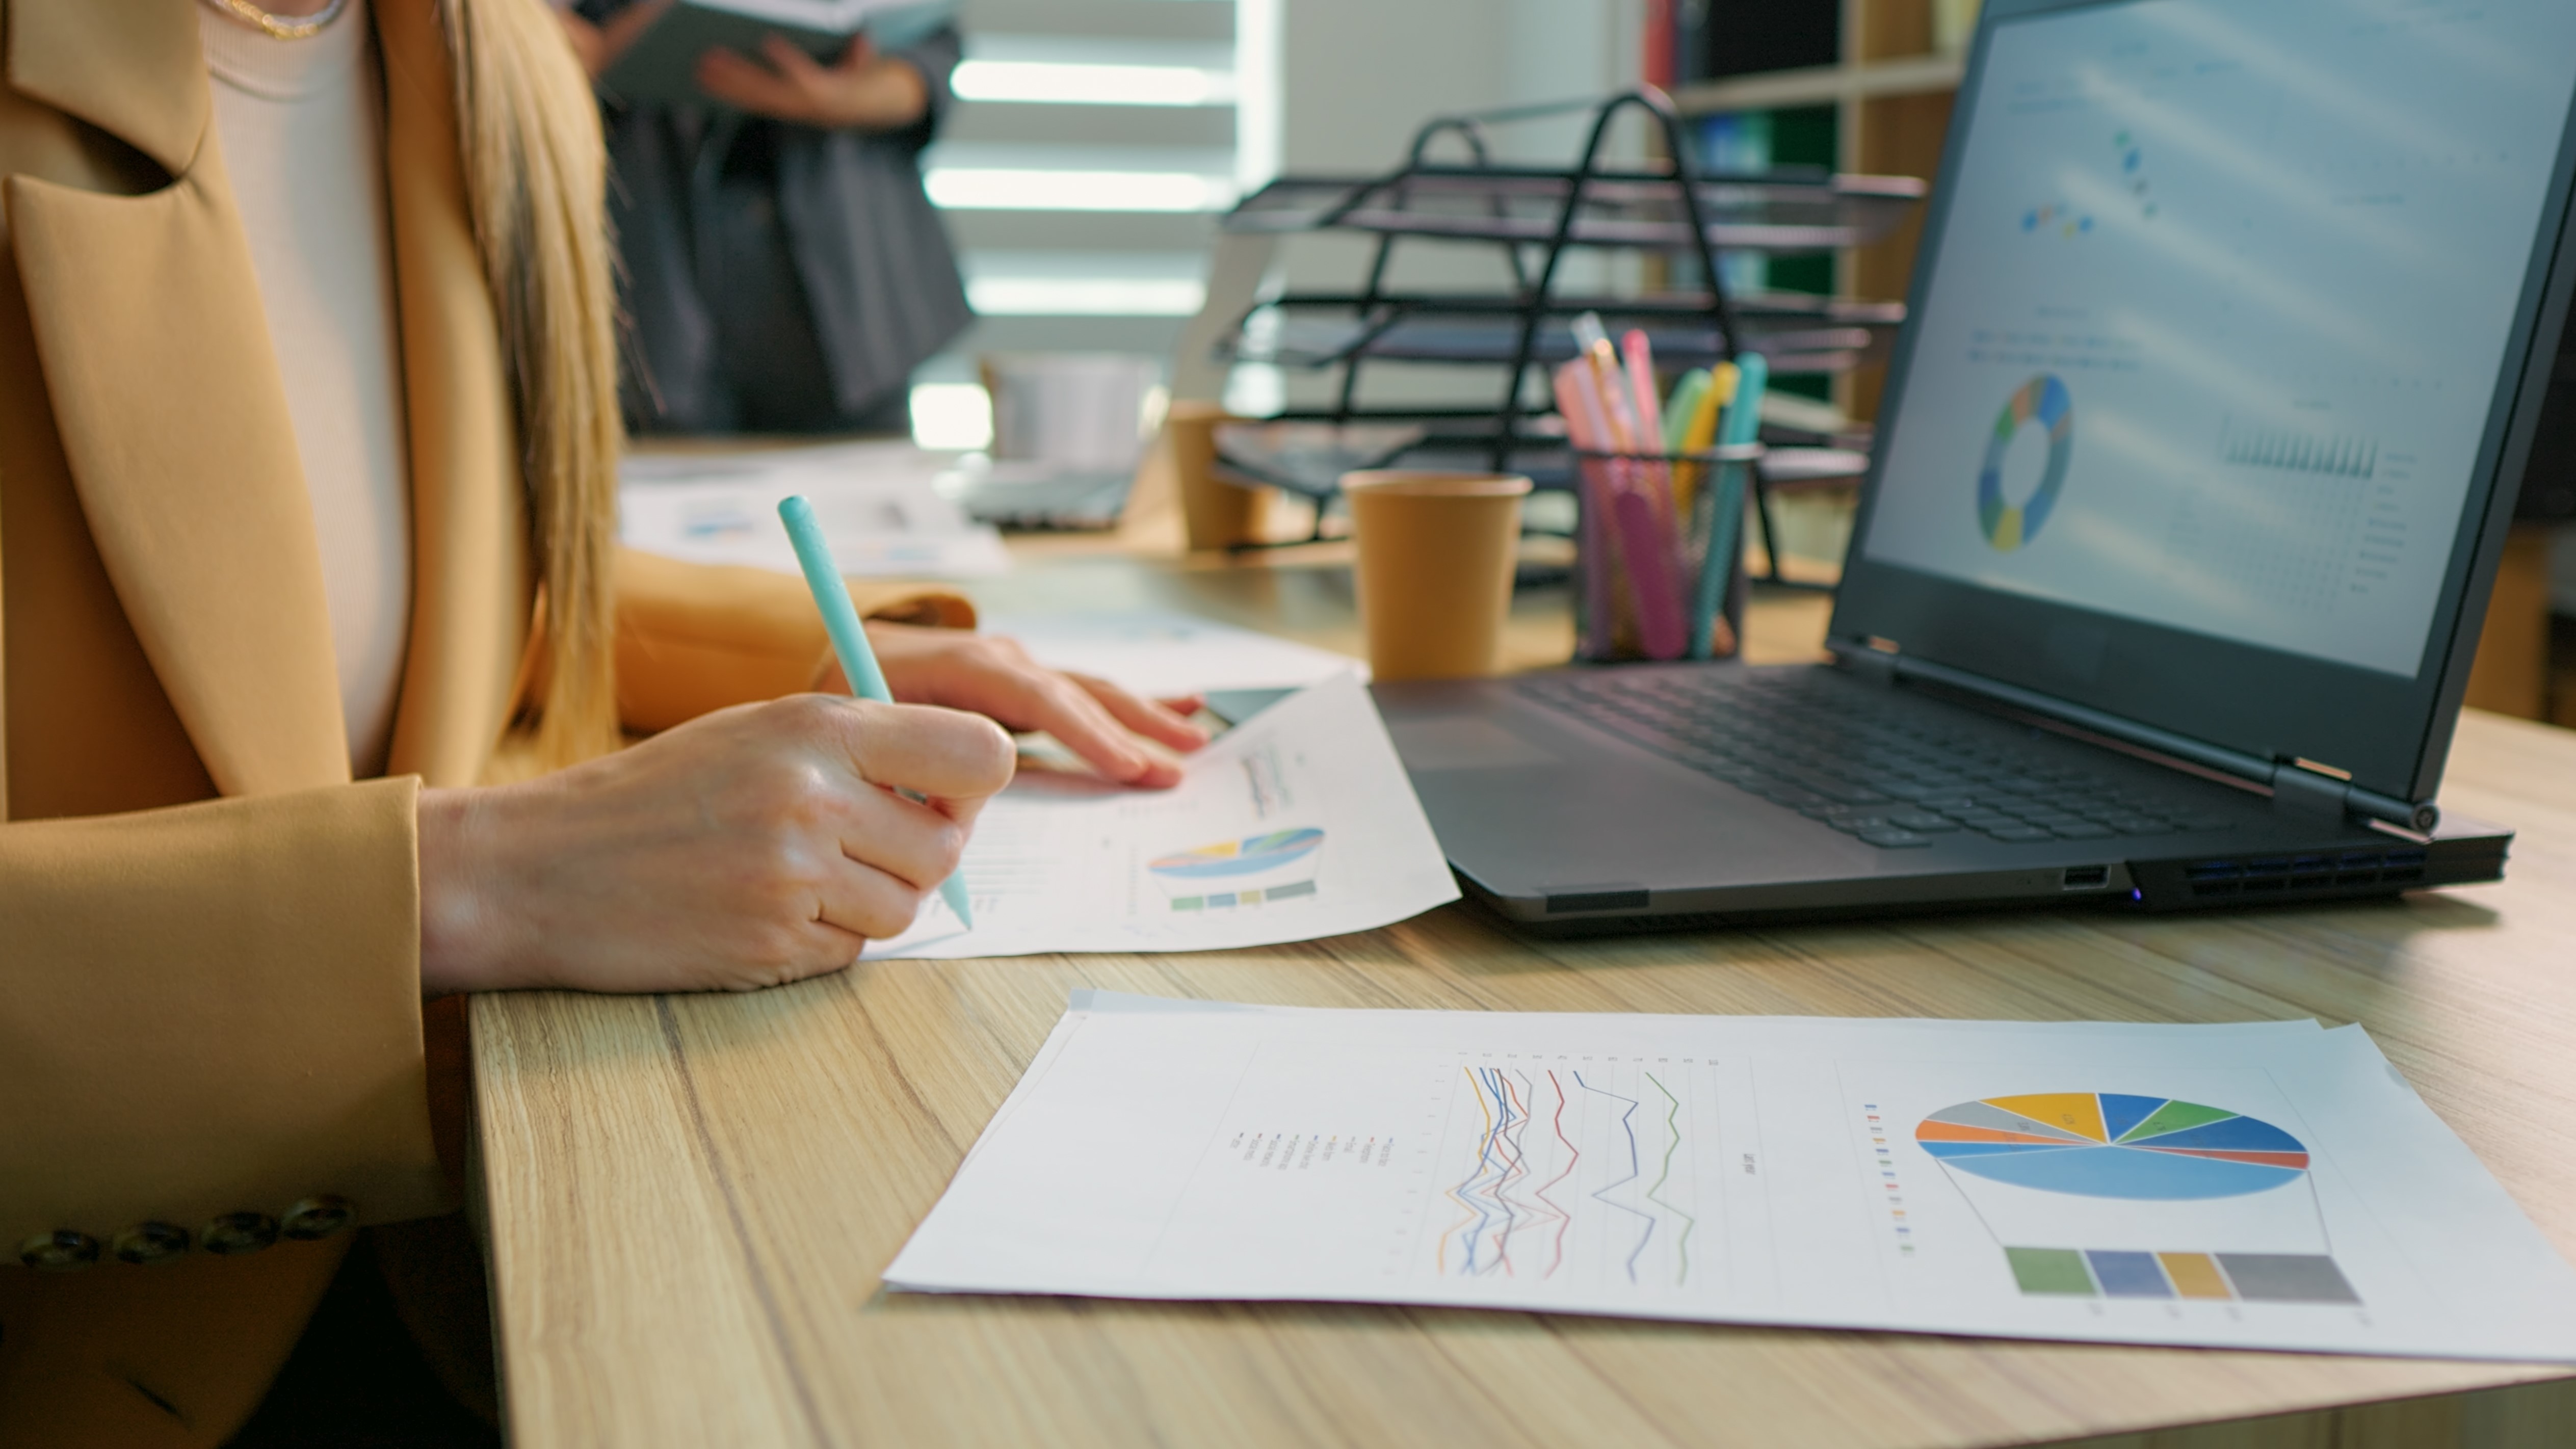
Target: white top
[(302, 127)]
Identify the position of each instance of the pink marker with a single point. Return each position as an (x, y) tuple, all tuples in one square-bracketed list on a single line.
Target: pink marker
[(1581, 406), (1655, 479), (1659, 600), (1641, 384)]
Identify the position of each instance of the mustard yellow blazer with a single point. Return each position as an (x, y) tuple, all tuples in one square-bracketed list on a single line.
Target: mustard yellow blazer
[(210, 1020)]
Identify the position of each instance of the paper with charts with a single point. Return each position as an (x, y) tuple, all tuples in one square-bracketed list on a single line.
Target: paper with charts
[(879, 510), (2257, 1186), (1297, 824)]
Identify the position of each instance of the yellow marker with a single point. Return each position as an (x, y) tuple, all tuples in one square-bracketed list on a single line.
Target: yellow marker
[(1703, 431)]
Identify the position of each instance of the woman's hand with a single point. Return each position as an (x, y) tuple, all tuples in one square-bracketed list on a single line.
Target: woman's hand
[(755, 846), (996, 678), (861, 89)]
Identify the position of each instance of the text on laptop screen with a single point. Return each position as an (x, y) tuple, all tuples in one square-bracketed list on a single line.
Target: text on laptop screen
[(2222, 294)]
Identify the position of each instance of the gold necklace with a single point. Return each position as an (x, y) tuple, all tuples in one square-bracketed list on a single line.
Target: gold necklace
[(277, 27)]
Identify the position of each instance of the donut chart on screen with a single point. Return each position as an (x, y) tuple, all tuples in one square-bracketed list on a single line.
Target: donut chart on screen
[(2110, 1145), (2042, 401)]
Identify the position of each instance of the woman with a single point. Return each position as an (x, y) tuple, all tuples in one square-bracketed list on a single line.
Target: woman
[(280, 573)]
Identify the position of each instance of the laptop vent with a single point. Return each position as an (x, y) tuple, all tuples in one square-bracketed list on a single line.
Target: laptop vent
[(2255, 875)]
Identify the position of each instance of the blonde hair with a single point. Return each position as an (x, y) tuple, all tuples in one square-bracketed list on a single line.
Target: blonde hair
[(536, 174)]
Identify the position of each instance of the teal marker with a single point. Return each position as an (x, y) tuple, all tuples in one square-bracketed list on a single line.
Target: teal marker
[(850, 641), (1741, 424)]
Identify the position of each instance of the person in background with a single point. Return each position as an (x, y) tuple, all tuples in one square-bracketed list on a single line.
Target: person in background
[(784, 269)]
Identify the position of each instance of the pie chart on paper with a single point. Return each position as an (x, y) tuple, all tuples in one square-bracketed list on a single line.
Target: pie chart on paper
[(2113, 1145), (1276, 866)]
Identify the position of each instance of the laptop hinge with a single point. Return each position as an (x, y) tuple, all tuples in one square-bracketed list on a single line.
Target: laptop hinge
[(2325, 793), (2295, 783), (1875, 663)]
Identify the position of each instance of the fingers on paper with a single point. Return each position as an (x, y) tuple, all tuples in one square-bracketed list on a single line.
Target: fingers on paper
[(1068, 710), (1156, 720)]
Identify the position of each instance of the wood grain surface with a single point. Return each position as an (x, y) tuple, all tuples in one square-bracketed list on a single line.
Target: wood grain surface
[(687, 1201)]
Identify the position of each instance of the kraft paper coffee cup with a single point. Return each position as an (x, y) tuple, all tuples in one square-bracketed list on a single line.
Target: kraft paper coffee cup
[(1435, 568), (1217, 514)]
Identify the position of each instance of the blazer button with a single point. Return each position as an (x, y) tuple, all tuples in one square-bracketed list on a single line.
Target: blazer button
[(317, 1217), (239, 1233), (60, 1251), (150, 1243)]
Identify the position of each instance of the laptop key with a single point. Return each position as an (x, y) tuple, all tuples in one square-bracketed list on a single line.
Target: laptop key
[(1890, 838), (1838, 791), (2082, 832), (1923, 821), (2020, 834)]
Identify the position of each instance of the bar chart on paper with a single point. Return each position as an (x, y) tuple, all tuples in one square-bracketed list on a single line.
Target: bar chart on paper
[(2118, 1195)]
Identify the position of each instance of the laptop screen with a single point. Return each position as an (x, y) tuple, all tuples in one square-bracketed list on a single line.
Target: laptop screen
[(2219, 300)]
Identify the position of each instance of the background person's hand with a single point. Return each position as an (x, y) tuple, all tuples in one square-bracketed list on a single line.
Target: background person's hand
[(996, 678), (600, 45), (752, 847), (861, 89)]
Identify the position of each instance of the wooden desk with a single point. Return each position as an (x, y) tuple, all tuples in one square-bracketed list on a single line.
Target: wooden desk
[(688, 1200)]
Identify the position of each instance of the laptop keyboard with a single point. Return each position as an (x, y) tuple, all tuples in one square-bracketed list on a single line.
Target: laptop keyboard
[(1889, 772)]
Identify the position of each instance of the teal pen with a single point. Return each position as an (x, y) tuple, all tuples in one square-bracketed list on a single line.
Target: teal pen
[(850, 641), (1743, 422)]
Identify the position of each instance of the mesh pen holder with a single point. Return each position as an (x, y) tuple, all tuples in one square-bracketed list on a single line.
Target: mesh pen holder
[(1659, 554)]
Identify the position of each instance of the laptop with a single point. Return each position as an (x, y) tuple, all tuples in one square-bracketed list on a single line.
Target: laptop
[(2194, 463)]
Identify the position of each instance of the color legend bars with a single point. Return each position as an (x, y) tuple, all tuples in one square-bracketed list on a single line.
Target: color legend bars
[(2225, 1277)]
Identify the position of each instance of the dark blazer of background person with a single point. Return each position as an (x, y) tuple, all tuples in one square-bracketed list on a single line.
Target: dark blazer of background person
[(779, 277)]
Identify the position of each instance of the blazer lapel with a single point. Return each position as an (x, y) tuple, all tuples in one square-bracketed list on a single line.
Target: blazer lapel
[(133, 68), (166, 393), (473, 594)]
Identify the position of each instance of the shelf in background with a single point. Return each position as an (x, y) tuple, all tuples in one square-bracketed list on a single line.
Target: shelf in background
[(1779, 212), (1823, 85), (1829, 335)]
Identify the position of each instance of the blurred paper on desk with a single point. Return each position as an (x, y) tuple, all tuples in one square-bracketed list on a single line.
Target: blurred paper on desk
[(1295, 825), (876, 502), (1162, 655), (2258, 1185)]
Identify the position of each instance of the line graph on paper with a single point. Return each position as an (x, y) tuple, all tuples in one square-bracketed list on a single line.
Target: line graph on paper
[(1574, 1170)]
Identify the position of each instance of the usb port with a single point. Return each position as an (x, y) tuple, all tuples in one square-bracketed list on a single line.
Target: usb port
[(2087, 877)]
